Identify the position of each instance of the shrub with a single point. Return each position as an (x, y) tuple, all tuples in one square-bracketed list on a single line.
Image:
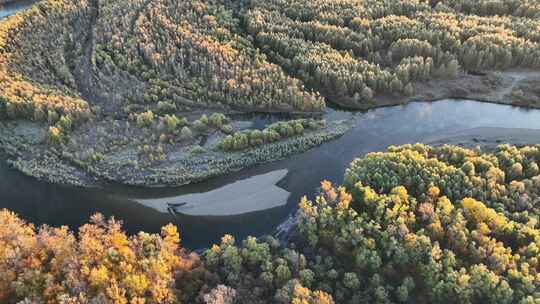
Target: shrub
[(166, 107), (199, 126), (217, 120), (145, 119), (272, 133), (186, 134), (54, 136)]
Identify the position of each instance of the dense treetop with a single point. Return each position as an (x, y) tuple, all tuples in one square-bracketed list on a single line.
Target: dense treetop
[(66, 58), (353, 50), (415, 224), (134, 54)]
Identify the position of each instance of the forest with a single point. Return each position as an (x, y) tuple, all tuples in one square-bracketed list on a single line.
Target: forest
[(354, 51), (93, 78), (150, 77), (414, 224), (164, 92)]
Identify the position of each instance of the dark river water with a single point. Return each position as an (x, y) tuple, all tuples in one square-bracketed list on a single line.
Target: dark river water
[(146, 209), (256, 200)]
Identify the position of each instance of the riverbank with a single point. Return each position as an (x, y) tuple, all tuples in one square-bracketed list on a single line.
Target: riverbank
[(516, 87), (25, 145), (10, 7), (485, 138)]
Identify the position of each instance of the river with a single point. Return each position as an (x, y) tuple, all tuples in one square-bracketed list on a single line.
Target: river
[(256, 200)]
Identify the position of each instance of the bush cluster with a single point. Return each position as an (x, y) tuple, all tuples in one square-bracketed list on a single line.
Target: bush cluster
[(253, 138)]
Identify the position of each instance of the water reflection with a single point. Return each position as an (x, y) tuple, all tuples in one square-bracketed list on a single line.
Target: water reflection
[(254, 201), (54, 205), (256, 193)]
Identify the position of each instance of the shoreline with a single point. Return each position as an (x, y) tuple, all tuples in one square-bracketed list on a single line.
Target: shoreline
[(487, 138), (52, 166), (70, 175), (189, 169), (32, 157), (496, 87)]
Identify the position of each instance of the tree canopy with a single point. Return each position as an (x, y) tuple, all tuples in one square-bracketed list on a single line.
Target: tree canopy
[(415, 224)]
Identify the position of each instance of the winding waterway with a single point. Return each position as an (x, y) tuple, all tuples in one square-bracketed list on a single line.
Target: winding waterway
[(256, 200)]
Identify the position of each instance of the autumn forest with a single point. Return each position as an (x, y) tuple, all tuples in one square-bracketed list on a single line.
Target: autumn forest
[(162, 93)]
